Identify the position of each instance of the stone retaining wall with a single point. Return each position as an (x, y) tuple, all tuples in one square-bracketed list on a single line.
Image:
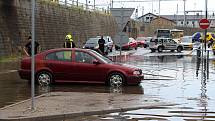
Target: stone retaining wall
[(53, 22)]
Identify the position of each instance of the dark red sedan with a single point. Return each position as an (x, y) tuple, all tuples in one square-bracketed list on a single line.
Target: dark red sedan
[(78, 65), (132, 43)]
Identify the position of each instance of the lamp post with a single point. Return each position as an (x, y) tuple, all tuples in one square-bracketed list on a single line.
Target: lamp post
[(184, 13), (65, 2), (32, 54), (94, 4), (206, 16)]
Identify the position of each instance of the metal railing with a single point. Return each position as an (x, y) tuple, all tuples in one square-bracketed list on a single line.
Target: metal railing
[(84, 6)]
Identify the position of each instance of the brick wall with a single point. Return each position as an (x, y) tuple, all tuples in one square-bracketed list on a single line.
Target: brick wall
[(53, 22)]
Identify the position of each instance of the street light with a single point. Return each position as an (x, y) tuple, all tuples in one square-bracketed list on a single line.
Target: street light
[(32, 55)]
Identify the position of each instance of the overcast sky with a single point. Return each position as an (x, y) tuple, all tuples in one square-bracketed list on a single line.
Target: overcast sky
[(168, 7)]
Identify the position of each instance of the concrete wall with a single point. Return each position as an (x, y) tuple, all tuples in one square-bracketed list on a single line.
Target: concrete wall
[(53, 22)]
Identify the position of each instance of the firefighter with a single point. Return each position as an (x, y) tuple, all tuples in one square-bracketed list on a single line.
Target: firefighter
[(69, 42)]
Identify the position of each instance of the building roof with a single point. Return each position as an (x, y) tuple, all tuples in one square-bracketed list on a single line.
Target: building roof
[(156, 17), (165, 19), (146, 15), (180, 17)]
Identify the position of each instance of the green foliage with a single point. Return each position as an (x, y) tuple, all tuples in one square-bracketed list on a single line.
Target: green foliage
[(9, 58)]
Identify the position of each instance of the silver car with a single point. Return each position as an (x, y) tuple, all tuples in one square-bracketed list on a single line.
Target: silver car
[(161, 44)]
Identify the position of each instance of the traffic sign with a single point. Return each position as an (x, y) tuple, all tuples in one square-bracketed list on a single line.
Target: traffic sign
[(204, 23), (122, 16)]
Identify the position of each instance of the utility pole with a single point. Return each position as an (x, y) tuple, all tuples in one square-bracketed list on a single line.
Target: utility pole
[(65, 2), (142, 10), (94, 4), (177, 13), (159, 7), (112, 4), (206, 16), (32, 55), (184, 13), (152, 6), (86, 4)]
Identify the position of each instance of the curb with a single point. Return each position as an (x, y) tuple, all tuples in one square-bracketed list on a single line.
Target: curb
[(8, 106), (72, 115)]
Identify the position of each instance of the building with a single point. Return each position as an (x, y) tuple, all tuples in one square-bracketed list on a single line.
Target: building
[(152, 22), (181, 20), (147, 18)]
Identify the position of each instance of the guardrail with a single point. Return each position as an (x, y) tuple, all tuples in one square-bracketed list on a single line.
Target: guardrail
[(84, 6)]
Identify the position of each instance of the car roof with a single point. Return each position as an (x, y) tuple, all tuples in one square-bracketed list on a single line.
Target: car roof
[(163, 38), (63, 49)]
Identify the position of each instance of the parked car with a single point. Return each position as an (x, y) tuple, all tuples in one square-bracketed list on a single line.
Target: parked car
[(80, 66), (141, 42), (132, 43), (92, 43), (161, 44), (187, 42), (108, 42)]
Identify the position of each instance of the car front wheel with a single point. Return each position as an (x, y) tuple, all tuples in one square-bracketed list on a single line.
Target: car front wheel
[(116, 79), (44, 78), (160, 49), (152, 50), (179, 49)]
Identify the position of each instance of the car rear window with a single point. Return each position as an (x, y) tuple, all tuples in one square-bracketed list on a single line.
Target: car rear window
[(60, 56)]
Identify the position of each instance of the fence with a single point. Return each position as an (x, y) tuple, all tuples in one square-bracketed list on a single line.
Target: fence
[(83, 6)]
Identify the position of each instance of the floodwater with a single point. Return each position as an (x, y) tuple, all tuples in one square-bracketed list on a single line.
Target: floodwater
[(173, 78), (182, 81)]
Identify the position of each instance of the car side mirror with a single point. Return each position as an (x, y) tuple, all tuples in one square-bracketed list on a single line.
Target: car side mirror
[(96, 62)]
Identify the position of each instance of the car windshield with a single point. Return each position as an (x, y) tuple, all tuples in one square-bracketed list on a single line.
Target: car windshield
[(103, 58), (140, 38), (92, 41)]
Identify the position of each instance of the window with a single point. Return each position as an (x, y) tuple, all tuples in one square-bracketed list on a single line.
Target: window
[(169, 40), (151, 18), (182, 22), (83, 57), (188, 22), (60, 56), (147, 18)]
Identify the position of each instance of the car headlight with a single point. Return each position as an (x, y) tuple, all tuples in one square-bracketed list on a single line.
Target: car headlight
[(137, 72), (96, 47)]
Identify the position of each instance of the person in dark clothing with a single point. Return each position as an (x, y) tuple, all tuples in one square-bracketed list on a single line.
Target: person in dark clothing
[(101, 43), (27, 48)]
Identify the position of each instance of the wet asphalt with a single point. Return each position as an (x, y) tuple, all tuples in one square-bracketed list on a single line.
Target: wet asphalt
[(173, 77)]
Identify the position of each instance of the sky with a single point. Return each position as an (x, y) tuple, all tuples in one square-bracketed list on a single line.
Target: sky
[(167, 7)]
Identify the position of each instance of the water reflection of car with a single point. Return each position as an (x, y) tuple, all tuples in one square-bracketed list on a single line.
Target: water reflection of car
[(187, 42), (92, 43), (108, 42), (80, 66), (131, 43)]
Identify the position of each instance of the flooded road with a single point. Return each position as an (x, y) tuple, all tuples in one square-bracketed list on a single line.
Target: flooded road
[(173, 78)]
